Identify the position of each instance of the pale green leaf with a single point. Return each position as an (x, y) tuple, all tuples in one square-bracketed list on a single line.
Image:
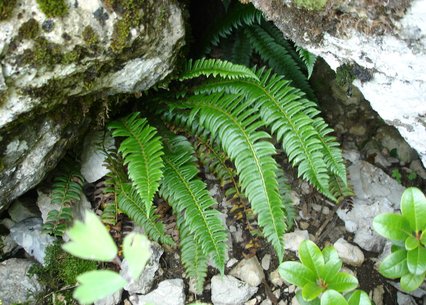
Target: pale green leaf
[(302, 301), (90, 240), (311, 291), (395, 265), (296, 273), (410, 282), (359, 297), (137, 251), (311, 256), (416, 261), (343, 282), (333, 263), (392, 226), (96, 285), (332, 297), (413, 207), (411, 243)]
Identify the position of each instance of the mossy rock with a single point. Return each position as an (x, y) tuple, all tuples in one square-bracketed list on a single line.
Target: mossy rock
[(53, 8), (6, 8)]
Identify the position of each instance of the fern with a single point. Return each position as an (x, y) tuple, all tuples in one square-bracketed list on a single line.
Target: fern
[(142, 151), (235, 123), (238, 15), (188, 197), (215, 67), (67, 189), (308, 58), (242, 50)]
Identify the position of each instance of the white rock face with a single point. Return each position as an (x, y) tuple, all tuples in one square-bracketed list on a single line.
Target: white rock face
[(227, 290), (292, 240), (169, 292), (375, 193), (397, 89), (15, 286), (350, 254), (249, 271)]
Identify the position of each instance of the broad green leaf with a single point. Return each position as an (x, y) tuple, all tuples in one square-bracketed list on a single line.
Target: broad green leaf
[(411, 243), (90, 240), (137, 251), (423, 237), (311, 291), (343, 282), (302, 301), (392, 226), (332, 297), (416, 261), (410, 282), (311, 256), (395, 265), (359, 297), (96, 285), (333, 263), (296, 273), (413, 207)]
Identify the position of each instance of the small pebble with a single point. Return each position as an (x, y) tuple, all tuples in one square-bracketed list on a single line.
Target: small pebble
[(276, 279), (266, 262), (304, 225)]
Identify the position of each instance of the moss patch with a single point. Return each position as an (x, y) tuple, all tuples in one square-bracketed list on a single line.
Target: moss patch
[(311, 5), (120, 35), (6, 8), (61, 269), (29, 29), (90, 37), (53, 8)]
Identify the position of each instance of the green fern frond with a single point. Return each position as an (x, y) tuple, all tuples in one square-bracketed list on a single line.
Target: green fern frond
[(285, 190), (215, 67), (242, 50), (193, 258), (67, 189), (189, 197), (142, 150), (339, 189), (308, 58), (238, 15), (278, 58), (131, 203), (235, 124)]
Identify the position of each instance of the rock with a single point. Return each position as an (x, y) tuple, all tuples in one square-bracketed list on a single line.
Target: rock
[(378, 293), (376, 193), (266, 262), (276, 279), (56, 76), (7, 245), (418, 168), (350, 254), (92, 157), (404, 299), (227, 290), (251, 302), (418, 293), (22, 209), (292, 240), (144, 283), (388, 62), (169, 292), (15, 286), (28, 234), (113, 299), (294, 301), (249, 271), (266, 302), (231, 262), (390, 139)]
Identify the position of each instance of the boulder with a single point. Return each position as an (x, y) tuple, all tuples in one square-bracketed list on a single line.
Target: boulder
[(227, 290), (382, 44), (169, 292), (59, 63)]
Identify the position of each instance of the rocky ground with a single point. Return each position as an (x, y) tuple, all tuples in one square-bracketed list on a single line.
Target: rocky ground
[(379, 164)]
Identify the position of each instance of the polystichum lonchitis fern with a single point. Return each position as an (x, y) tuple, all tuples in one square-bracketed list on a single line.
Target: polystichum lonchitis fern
[(241, 112)]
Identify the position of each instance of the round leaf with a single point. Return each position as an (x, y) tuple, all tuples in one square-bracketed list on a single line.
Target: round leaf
[(96, 285), (302, 301), (411, 243), (296, 273), (359, 297), (90, 240), (332, 297), (416, 261), (411, 282), (413, 207), (137, 251), (311, 256), (392, 226), (311, 291), (343, 282), (395, 265)]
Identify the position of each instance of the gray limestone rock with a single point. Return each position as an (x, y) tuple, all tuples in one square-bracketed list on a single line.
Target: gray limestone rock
[(227, 290), (169, 292), (28, 234), (23, 208), (249, 271), (293, 239), (15, 285), (350, 254)]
